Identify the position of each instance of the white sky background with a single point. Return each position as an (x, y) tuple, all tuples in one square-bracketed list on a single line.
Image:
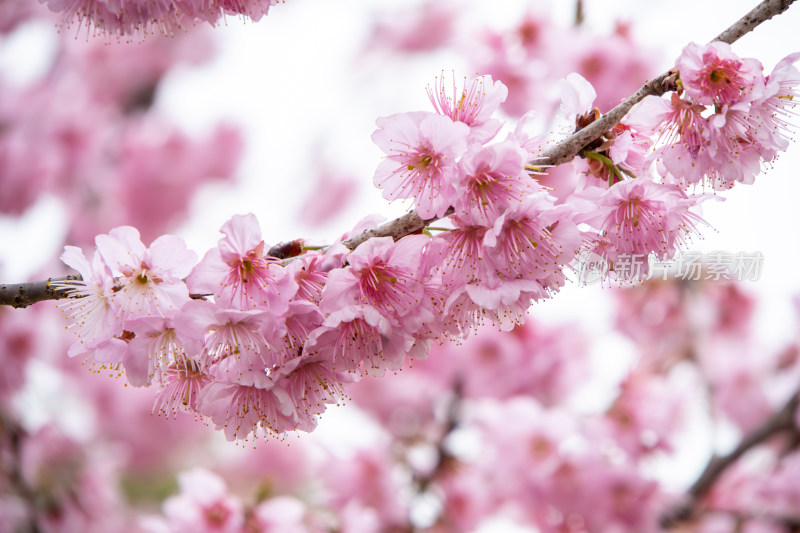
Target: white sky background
[(290, 81)]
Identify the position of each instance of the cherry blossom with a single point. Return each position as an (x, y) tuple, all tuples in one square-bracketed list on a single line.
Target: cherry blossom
[(238, 273), (150, 282), (713, 74), (421, 150)]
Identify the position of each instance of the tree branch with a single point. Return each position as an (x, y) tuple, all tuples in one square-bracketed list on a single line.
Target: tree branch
[(782, 420), (579, 15), (24, 294), (400, 227), (19, 295), (761, 13)]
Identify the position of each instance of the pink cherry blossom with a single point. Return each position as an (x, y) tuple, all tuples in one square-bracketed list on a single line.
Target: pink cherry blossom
[(241, 410), (534, 241), (90, 313), (639, 217), (203, 505), (182, 383), (473, 105), (310, 275), (683, 135), (234, 347), (127, 18), (421, 149), (462, 253), (735, 155), (311, 384), (502, 303), (154, 347), (492, 179), (291, 333), (577, 95), (150, 282), (358, 338), (382, 274), (713, 74), (773, 112), (238, 273)]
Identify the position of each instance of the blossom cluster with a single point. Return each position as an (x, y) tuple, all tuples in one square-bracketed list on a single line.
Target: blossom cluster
[(127, 18), (726, 121), (256, 343)]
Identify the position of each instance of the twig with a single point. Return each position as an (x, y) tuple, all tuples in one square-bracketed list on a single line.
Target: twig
[(22, 295), (579, 16), (782, 420), (761, 13), (19, 295), (400, 227)]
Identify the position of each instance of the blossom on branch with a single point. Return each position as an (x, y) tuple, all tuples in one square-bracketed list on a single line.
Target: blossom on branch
[(421, 153)]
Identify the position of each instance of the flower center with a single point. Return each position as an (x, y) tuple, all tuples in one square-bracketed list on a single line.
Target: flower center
[(423, 161), (717, 76)]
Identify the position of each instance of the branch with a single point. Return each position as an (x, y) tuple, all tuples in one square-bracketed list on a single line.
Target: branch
[(400, 227), (761, 13), (19, 295), (779, 422), (24, 294), (579, 16)]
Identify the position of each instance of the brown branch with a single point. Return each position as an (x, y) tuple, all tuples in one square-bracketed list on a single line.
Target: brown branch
[(400, 227), (19, 295), (24, 294), (761, 13), (579, 15), (781, 421)]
